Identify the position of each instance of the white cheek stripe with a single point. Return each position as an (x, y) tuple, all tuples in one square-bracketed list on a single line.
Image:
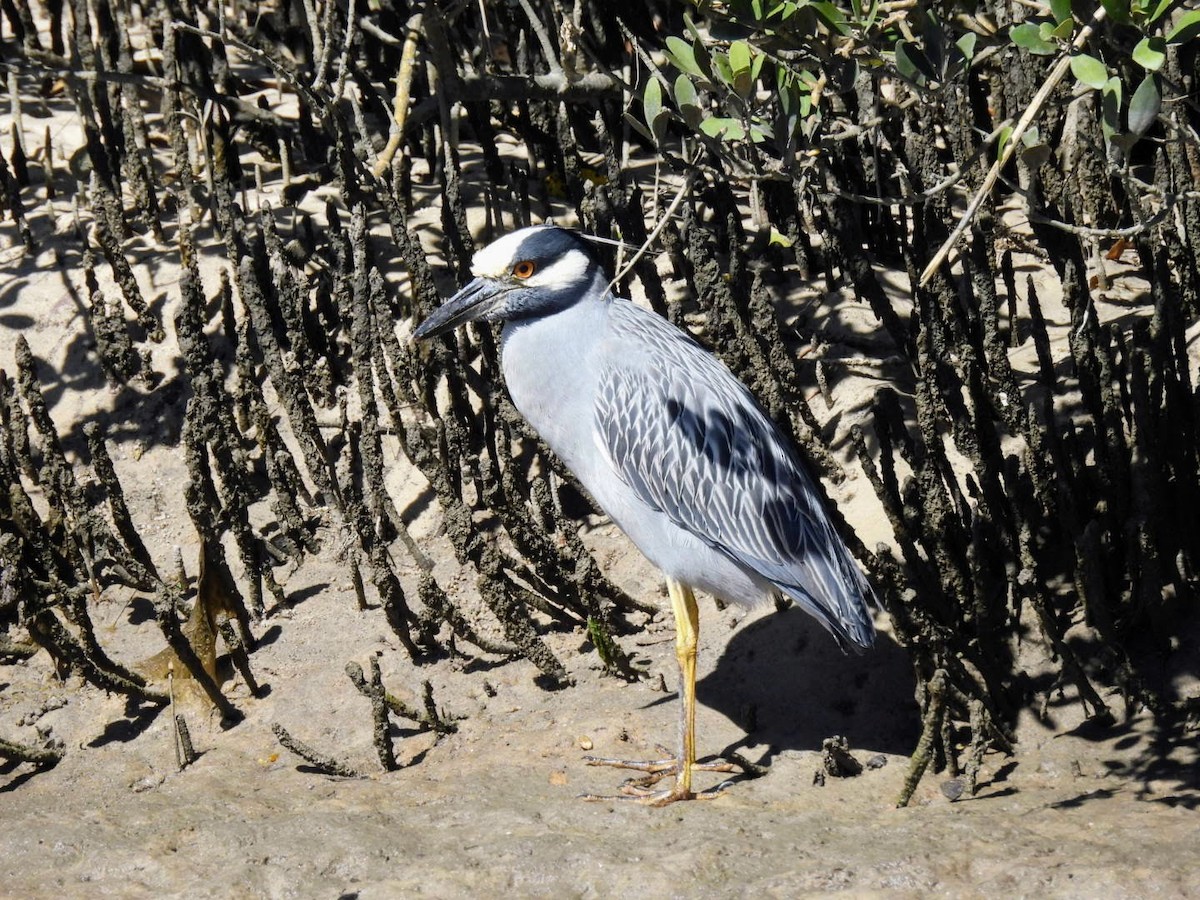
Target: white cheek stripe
[(496, 259), (567, 269)]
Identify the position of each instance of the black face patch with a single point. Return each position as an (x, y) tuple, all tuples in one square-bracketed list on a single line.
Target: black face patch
[(545, 245)]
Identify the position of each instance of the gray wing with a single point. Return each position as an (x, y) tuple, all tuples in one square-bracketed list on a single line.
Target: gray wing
[(692, 442)]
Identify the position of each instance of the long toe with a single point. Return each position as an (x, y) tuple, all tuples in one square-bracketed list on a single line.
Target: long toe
[(637, 792), (642, 790), (656, 766)]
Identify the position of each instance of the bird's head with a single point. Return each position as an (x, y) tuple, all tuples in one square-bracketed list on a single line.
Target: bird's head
[(533, 272)]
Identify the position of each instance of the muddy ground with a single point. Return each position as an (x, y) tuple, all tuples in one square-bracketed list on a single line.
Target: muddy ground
[(495, 806)]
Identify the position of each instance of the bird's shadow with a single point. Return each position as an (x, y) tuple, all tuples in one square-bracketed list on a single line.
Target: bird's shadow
[(785, 681)]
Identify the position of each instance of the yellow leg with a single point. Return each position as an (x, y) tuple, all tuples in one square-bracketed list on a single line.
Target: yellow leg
[(687, 635)]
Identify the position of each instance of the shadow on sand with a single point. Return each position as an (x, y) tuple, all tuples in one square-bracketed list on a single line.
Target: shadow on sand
[(785, 680)]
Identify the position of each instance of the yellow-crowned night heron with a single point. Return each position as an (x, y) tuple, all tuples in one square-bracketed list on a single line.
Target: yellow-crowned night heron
[(669, 443)]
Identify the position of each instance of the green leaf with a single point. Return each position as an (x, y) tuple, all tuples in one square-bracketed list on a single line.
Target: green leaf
[(739, 56), (756, 66), (905, 64), (1118, 10), (1002, 142), (652, 98), (966, 45), (870, 16), (833, 16), (1035, 153), (1150, 53), (722, 71), (1144, 105), (688, 102), (682, 56), (1028, 37), (723, 128), (1126, 143), (791, 115), (632, 121), (784, 11), (912, 63), (1063, 30), (933, 42), (1089, 70), (1061, 10), (760, 131), (778, 238), (1163, 6), (657, 115), (1110, 108), (1186, 28), (704, 61), (652, 107), (684, 92), (741, 64)]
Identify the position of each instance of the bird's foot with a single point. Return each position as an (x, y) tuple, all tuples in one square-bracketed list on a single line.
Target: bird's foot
[(634, 791), (642, 790)]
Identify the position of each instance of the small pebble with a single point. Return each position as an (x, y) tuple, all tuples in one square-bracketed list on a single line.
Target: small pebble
[(48, 705), (585, 743), (952, 789)]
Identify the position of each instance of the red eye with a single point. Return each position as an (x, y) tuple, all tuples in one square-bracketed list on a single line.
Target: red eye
[(524, 269)]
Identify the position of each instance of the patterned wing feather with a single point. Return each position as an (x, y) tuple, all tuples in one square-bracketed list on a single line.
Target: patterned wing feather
[(692, 442)]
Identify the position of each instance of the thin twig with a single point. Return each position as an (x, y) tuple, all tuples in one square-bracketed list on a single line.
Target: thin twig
[(277, 68), (1087, 231), (315, 30), (339, 86), (1035, 107), (400, 105), (543, 38), (46, 757), (916, 198), (184, 748), (653, 236), (374, 691), (322, 763), (327, 50)]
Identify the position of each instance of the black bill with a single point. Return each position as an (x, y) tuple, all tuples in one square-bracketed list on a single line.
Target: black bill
[(470, 304)]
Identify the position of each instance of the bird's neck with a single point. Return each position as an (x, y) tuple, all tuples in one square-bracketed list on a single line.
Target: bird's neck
[(550, 368)]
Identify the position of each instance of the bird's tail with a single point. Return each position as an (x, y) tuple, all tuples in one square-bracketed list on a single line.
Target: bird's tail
[(837, 595)]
